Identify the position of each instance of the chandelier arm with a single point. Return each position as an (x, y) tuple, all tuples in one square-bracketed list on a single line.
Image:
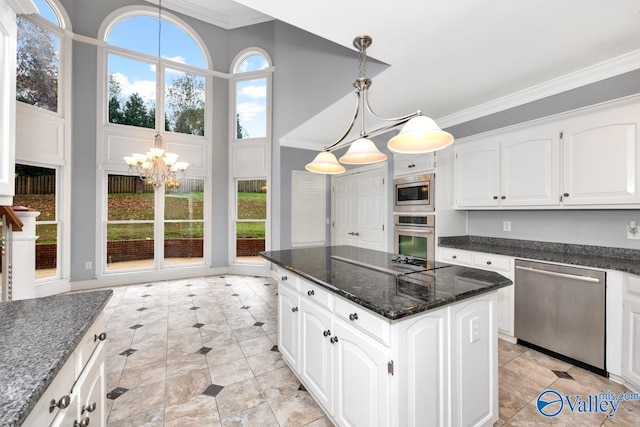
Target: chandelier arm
[(353, 122), (370, 110)]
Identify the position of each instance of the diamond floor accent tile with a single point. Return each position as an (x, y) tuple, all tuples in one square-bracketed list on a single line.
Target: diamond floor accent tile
[(149, 285), (302, 388), (136, 326), (194, 308), (258, 324), (198, 325), (235, 295), (145, 295), (141, 309), (563, 375), (189, 284), (213, 390), (228, 284), (116, 393), (128, 352), (245, 307), (267, 284), (274, 348), (204, 350), (191, 295)]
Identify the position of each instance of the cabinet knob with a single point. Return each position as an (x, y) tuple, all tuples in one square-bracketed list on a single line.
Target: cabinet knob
[(350, 233), (488, 262), (311, 293), (294, 309), (503, 197), (353, 316), (82, 423), (566, 194), (495, 197), (326, 333), (101, 337), (62, 403), (356, 234), (89, 408), (334, 340), (454, 256), (412, 165), (284, 278)]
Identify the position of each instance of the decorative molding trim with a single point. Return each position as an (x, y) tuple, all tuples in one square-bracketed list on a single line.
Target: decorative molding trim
[(23, 6), (603, 70), (88, 40)]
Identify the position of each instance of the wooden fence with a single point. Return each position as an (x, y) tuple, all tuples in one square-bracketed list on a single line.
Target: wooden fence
[(35, 184)]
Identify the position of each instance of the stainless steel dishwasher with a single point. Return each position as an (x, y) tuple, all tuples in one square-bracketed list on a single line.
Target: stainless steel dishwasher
[(561, 309)]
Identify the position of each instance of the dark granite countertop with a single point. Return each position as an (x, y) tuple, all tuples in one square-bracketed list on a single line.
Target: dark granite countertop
[(410, 290), (37, 336), (626, 260)]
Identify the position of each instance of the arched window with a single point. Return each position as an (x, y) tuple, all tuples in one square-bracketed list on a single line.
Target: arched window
[(251, 95), (38, 57), (136, 72)]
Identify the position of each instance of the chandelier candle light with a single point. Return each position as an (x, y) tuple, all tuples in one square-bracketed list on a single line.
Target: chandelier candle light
[(420, 134), (156, 167)]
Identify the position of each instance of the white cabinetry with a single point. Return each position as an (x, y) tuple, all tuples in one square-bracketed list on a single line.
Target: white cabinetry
[(519, 169), (366, 370), (409, 164), (78, 391), (498, 263), (631, 332), (590, 161), (601, 159)]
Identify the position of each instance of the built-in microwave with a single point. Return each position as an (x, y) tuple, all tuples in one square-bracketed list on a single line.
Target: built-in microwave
[(414, 193)]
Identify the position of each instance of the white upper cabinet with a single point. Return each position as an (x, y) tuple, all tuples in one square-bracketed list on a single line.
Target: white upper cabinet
[(590, 161), (478, 174), (408, 164), (601, 158)]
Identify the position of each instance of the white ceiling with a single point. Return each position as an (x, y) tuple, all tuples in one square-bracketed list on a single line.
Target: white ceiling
[(222, 13), (460, 59)]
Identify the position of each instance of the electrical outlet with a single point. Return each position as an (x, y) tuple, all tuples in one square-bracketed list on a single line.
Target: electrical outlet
[(506, 225), (632, 231), (474, 330), (88, 265)]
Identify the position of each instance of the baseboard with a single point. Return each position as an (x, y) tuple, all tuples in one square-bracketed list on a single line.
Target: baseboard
[(52, 288), (512, 340)]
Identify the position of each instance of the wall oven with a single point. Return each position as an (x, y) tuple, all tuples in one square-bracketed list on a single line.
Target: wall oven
[(414, 236), (414, 193)]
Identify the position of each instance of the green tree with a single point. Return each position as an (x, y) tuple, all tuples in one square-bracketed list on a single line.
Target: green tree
[(185, 104), (136, 113), (37, 66), (116, 115), (241, 132)]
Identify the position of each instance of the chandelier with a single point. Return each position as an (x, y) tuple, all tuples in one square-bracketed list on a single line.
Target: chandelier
[(419, 134), (156, 167)]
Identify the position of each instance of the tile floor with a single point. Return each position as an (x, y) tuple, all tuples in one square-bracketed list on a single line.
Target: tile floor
[(203, 352)]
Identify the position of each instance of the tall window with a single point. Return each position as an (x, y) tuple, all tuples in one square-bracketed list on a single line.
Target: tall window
[(148, 228), (251, 98), (251, 219), (38, 58)]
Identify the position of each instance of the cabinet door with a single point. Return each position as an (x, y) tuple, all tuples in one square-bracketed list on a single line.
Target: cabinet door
[(316, 362), (92, 390), (505, 310), (406, 164), (288, 325), (530, 168), (361, 379), (71, 415), (601, 158), (478, 174), (631, 352)]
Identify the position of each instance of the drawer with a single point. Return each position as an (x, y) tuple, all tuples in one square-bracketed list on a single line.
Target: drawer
[(96, 334), (285, 276), (492, 262), (317, 294), (57, 390), (455, 256), (376, 326)]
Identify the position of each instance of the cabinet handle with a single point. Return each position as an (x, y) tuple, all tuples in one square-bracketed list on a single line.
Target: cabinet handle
[(294, 309), (62, 403), (311, 293), (454, 256), (566, 194), (83, 423), (326, 333), (503, 197), (412, 165), (488, 262), (284, 278), (350, 233), (88, 408), (356, 234), (101, 337), (334, 340), (495, 197), (353, 316)]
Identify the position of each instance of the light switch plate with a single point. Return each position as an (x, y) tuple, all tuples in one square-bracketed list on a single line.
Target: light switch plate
[(506, 226)]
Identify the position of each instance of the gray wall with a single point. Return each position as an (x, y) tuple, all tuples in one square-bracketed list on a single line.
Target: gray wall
[(590, 227)]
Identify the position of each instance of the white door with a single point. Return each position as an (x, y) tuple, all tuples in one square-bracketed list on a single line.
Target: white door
[(288, 326), (361, 379), (478, 174), (316, 362), (530, 168), (359, 207), (601, 158), (631, 356)]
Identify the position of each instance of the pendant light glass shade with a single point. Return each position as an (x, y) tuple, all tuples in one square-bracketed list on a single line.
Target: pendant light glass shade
[(420, 135), (325, 162), (362, 152)]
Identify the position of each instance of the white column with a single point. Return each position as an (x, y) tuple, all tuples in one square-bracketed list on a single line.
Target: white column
[(24, 255)]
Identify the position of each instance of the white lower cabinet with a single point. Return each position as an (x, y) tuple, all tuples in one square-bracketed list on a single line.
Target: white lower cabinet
[(77, 395), (366, 370), (631, 332)]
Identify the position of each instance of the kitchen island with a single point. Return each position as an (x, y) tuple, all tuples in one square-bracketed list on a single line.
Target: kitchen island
[(379, 342), (51, 349)]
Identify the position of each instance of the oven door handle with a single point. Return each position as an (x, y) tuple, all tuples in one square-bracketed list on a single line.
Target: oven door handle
[(426, 230)]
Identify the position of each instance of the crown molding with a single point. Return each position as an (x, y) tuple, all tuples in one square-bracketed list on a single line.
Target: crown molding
[(603, 70)]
